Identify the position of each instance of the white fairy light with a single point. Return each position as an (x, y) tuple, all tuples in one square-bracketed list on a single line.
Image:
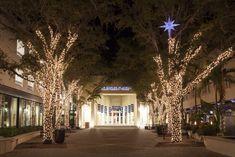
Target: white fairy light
[(172, 84), (50, 77), (73, 87)]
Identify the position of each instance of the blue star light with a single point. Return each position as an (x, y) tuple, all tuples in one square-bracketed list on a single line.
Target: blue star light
[(169, 26)]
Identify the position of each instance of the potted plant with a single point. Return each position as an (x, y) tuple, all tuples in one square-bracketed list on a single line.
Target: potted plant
[(188, 129)]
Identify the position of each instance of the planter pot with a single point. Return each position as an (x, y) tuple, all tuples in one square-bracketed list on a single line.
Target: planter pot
[(47, 142), (146, 128), (220, 145), (59, 136), (161, 129), (190, 133)]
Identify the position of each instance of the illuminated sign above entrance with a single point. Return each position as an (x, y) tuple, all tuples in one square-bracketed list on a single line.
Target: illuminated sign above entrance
[(111, 88)]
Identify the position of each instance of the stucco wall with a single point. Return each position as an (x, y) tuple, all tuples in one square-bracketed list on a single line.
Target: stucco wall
[(209, 95), (8, 45)]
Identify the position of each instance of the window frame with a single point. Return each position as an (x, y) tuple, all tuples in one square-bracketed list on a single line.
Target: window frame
[(20, 48), (19, 80)]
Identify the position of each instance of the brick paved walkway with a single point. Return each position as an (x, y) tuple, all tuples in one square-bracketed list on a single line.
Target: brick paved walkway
[(109, 143)]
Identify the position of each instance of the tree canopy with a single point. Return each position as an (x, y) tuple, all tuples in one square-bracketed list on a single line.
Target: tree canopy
[(115, 36)]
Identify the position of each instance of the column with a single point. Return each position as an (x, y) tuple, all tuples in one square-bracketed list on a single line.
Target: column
[(137, 113), (119, 117), (112, 117), (82, 116), (123, 116), (92, 106), (107, 115), (102, 114), (128, 117), (18, 113)]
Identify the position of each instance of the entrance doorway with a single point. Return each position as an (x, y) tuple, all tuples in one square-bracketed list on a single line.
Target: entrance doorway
[(115, 115), (116, 109)]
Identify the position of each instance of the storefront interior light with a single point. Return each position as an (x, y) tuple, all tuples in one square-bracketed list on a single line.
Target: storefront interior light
[(232, 101), (26, 110), (144, 110)]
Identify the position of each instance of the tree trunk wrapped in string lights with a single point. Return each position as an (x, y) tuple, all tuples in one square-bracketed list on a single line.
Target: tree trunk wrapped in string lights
[(158, 104), (48, 78), (171, 79), (73, 88), (78, 106)]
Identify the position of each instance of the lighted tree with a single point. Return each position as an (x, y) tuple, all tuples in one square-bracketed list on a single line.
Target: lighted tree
[(144, 18), (78, 106), (158, 102), (172, 78), (73, 89), (49, 76)]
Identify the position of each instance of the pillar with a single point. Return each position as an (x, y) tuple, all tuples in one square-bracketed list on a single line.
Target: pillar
[(119, 117), (123, 116), (112, 117)]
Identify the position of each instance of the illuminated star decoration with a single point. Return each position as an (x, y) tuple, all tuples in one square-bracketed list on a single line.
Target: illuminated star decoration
[(169, 26)]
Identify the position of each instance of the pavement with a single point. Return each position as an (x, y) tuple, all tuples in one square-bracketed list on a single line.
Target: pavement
[(110, 143)]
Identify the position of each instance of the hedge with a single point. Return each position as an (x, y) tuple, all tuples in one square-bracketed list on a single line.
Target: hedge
[(13, 131)]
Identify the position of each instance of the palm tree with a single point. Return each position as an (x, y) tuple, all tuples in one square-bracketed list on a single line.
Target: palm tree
[(219, 78)]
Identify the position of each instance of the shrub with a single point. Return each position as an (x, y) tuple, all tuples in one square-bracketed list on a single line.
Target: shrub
[(187, 127), (207, 130), (13, 131), (194, 128), (161, 129)]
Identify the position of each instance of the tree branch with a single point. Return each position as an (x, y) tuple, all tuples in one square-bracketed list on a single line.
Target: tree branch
[(225, 55)]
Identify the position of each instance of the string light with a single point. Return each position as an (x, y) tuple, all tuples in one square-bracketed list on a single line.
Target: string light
[(78, 107), (223, 56), (50, 76), (73, 87), (172, 84)]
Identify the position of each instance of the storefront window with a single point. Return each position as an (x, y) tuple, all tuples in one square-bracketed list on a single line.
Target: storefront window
[(28, 113), (40, 115), (25, 112), (37, 114), (21, 113), (8, 110), (33, 113), (13, 111), (1, 110)]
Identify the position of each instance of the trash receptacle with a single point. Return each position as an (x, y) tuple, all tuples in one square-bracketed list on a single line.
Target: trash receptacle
[(87, 125), (59, 135)]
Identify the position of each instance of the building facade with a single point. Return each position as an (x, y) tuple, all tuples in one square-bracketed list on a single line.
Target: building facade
[(20, 103), (117, 106), (208, 97)]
